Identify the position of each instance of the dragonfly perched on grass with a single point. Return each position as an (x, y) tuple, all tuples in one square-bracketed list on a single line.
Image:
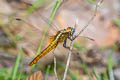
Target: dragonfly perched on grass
[(60, 37), (54, 40)]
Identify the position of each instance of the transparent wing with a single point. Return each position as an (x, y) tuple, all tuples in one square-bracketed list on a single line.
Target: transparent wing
[(31, 30)]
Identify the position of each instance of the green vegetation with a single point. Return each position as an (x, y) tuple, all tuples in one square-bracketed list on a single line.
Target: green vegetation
[(117, 22), (98, 77), (37, 4), (47, 27), (47, 72), (106, 75), (15, 68), (16, 73), (79, 47), (92, 1)]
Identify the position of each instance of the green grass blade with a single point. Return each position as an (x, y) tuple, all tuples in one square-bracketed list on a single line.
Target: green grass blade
[(73, 76), (117, 21), (96, 74), (4, 73), (105, 76), (85, 68), (47, 27), (110, 65), (47, 72), (36, 5), (21, 70), (92, 1), (15, 68)]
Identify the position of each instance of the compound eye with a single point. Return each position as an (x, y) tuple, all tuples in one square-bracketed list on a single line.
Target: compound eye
[(69, 28)]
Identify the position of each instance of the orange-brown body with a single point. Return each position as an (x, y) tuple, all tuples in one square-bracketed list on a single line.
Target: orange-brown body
[(54, 40)]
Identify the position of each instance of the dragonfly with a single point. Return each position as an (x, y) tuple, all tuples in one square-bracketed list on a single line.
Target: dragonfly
[(60, 37)]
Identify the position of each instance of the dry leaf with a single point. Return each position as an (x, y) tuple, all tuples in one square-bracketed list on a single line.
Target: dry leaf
[(35, 76)]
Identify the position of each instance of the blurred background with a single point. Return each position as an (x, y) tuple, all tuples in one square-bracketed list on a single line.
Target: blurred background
[(21, 40)]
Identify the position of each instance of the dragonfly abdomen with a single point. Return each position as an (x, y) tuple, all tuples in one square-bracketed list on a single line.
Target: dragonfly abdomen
[(44, 52)]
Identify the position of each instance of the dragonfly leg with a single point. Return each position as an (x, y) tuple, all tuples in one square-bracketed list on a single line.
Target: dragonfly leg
[(64, 44), (53, 52)]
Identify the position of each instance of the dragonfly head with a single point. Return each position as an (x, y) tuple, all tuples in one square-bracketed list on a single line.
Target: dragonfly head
[(71, 30)]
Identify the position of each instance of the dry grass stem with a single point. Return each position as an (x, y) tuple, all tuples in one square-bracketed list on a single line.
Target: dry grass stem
[(92, 18), (56, 77), (71, 44)]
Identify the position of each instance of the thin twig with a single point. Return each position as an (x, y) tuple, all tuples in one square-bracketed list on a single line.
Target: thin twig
[(71, 44), (70, 53), (56, 77), (92, 18), (55, 71), (68, 60)]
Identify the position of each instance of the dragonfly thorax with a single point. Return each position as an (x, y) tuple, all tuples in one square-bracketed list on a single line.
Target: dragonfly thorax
[(71, 30)]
